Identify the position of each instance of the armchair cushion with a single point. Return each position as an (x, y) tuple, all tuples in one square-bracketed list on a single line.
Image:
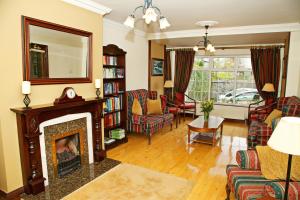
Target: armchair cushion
[(247, 159), (154, 107), (277, 189), (274, 114), (136, 107)]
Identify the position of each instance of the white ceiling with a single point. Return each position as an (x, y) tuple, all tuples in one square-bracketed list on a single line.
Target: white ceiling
[(183, 14)]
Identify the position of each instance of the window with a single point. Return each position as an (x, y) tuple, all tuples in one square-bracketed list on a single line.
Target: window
[(226, 79)]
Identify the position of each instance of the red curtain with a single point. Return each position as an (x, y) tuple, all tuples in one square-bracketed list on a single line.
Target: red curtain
[(266, 69), (184, 62), (167, 68)]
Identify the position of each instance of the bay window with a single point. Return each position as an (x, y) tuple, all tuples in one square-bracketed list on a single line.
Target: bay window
[(225, 79)]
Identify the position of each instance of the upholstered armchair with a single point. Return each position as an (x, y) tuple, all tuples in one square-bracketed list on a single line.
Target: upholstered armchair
[(185, 106), (259, 132), (171, 108), (246, 181), (146, 124)]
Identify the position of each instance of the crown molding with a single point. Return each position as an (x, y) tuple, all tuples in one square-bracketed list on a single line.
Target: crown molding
[(122, 27), (238, 30), (90, 5)]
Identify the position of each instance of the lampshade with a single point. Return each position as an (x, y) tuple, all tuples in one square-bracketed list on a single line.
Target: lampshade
[(150, 15), (268, 87), (163, 23), (168, 84), (129, 21), (286, 136)]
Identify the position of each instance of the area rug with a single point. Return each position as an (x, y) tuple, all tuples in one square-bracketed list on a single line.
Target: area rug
[(131, 182)]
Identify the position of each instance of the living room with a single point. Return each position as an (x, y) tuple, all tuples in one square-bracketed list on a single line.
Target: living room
[(235, 54)]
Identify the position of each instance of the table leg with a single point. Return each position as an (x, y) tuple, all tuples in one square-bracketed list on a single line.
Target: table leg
[(214, 139), (221, 135), (189, 135)]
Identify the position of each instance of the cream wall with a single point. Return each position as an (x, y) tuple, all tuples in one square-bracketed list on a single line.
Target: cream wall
[(136, 46), (157, 82), (11, 71), (293, 73)]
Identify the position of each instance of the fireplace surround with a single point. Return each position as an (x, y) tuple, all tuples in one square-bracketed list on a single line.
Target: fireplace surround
[(28, 122)]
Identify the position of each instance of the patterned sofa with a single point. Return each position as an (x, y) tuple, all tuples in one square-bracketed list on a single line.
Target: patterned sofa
[(259, 133), (147, 124), (246, 181)]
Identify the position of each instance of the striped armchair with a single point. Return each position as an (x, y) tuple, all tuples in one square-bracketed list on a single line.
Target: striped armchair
[(246, 181), (259, 133), (146, 124)]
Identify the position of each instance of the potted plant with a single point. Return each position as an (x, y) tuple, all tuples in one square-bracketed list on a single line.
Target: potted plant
[(207, 107)]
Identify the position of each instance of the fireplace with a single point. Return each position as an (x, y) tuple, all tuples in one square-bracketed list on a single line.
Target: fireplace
[(36, 135), (67, 150)]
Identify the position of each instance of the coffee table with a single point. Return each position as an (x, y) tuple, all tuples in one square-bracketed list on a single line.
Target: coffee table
[(207, 131)]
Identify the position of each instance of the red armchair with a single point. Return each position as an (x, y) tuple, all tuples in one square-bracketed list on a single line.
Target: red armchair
[(172, 108), (184, 106)]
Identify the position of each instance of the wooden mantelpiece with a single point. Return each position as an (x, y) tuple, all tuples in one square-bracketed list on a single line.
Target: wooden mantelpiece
[(28, 121)]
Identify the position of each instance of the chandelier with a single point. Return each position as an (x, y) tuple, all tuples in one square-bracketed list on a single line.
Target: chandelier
[(150, 14), (209, 48)]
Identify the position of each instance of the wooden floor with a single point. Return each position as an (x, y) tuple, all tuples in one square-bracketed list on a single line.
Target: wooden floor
[(169, 152)]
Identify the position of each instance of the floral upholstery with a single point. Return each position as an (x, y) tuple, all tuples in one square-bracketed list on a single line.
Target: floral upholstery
[(147, 124), (249, 183), (259, 133)]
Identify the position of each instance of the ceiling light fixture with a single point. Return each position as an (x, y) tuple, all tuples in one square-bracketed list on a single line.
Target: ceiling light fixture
[(150, 14), (209, 48)]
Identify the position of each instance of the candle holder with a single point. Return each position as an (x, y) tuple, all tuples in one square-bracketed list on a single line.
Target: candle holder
[(98, 93), (26, 100)]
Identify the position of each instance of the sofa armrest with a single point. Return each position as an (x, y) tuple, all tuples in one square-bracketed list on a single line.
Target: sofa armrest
[(247, 159), (276, 190)]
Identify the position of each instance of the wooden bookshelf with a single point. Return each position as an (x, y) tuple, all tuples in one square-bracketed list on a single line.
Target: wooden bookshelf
[(114, 87)]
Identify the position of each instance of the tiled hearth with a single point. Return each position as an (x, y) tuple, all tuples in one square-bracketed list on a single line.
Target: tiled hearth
[(71, 182)]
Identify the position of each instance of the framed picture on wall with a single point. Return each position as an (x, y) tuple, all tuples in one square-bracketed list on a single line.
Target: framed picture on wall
[(157, 67)]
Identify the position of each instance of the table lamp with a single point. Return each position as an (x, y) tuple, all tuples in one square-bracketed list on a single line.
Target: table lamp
[(26, 90), (268, 88), (169, 84), (286, 139)]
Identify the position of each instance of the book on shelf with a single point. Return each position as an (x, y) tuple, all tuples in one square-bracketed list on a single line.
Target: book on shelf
[(109, 60), (117, 133), (113, 73), (111, 88), (112, 119), (113, 103), (108, 140)]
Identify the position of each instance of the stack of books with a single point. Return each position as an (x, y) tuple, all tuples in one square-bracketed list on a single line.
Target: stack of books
[(113, 103), (113, 73), (111, 88), (108, 140), (117, 134), (109, 60)]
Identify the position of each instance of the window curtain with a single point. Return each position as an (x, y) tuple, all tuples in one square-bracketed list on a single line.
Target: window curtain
[(184, 62), (167, 68), (266, 69)]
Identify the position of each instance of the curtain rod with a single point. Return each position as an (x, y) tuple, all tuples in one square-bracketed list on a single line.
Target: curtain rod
[(231, 47)]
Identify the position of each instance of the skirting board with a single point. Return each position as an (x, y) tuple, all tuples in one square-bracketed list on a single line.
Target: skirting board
[(13, 195)]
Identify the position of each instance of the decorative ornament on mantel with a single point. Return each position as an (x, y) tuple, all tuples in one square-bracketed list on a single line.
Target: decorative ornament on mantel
[(208, 47), (98, 86), (26, 90), (151, 13)]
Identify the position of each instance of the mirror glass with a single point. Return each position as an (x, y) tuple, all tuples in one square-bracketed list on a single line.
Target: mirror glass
[(55, 53)]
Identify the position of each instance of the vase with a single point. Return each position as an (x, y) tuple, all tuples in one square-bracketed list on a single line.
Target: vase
[(206, 116)]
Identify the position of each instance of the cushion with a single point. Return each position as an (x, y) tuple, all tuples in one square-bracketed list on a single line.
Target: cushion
[(247, 159), (154, 107), (136, 107), (274, 164), (277, 189), (274, 114), (187, 105)]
